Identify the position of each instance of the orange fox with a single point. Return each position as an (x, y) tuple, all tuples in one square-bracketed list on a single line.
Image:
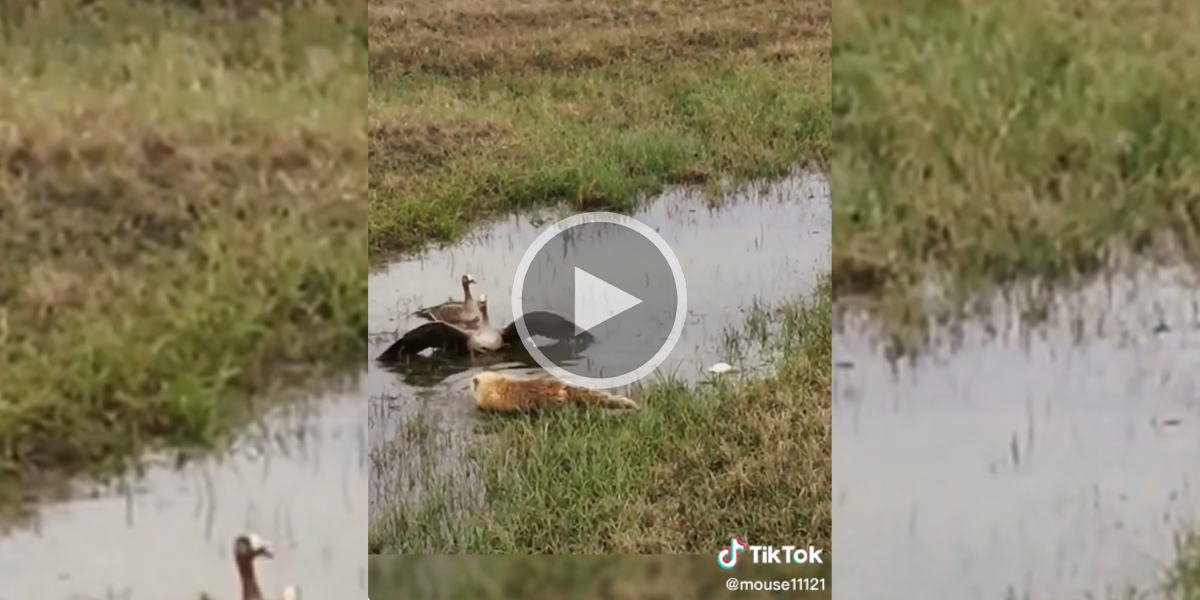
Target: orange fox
[(495, 391)]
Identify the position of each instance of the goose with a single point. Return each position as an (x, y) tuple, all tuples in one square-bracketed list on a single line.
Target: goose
[(452, 311), (247, 548), (484, 337)]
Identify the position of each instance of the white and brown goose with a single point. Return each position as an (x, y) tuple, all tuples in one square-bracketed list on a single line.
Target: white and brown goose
[(452, 311)]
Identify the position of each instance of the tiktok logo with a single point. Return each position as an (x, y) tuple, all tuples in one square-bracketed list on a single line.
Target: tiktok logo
[(729, 556)]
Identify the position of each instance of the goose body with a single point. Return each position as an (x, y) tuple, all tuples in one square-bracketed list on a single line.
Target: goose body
[(464, 313), (496, 391), (482, 336)]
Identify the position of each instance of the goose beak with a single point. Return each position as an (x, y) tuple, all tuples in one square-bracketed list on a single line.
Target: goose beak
[(260, 546)]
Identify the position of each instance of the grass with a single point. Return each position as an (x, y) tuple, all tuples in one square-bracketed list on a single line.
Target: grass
[(577, 577), (750, 458), (980, 143), (183, 222), (1185, 581), (983, 143), (476, 108)]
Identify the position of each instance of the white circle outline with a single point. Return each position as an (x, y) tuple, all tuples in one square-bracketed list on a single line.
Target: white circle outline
[(540, 242)]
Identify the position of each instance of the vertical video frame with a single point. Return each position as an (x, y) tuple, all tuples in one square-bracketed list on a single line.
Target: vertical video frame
[(599, 298)]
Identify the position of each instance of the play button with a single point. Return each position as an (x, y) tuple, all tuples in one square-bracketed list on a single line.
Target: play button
[(616, 279), (597, 301)]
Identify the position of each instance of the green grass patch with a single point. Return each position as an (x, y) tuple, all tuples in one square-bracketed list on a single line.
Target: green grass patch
[(748, 457), (1185, 581), (181, 191), (521, 104), (585, 578), (983, 143)]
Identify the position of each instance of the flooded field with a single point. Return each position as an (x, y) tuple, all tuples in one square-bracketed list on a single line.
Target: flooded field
[(1058, 460), (761, 243), (298, 479)]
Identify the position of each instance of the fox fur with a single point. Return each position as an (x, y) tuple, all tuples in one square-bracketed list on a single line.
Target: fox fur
[(495, 391)]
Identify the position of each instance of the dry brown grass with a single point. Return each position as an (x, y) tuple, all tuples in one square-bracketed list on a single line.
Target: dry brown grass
[(470, 39), (181, 194)]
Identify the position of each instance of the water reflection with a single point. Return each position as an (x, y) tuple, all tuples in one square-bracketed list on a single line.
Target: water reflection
[(298, 479), (1051, 462)]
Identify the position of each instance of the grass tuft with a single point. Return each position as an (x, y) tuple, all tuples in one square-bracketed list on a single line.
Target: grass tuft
[(1185, 581)]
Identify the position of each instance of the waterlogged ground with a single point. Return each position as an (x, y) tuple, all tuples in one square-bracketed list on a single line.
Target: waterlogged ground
[(1058, 461), (761, 243), (298, 479)]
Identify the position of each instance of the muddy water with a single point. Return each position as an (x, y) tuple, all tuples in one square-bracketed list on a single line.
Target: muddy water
[(762, 242), (1054, 462), (298, 480)]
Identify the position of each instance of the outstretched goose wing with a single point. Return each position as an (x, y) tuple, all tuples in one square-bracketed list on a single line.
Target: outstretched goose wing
[(545, 324), (438, 334)]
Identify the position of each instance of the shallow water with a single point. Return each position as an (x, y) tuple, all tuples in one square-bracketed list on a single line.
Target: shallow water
[(1057, 461), (762, 242), (302, 487)]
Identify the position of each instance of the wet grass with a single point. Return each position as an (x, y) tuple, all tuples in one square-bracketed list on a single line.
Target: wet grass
[(1185, 583), (579, 578), (984, 142), (980, 143), (746, 456), (482, 107), (181, 191)]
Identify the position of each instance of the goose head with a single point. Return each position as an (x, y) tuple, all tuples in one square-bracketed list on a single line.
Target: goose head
[(467, 280), (249, 547)]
